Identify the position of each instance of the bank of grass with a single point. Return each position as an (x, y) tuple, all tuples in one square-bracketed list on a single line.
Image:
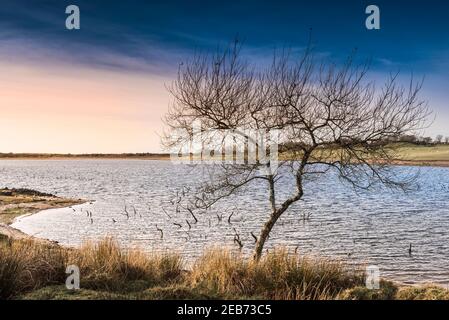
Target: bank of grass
[(29, 270)]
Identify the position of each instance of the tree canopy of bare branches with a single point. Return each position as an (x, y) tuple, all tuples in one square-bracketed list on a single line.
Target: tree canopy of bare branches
[(327, 116)]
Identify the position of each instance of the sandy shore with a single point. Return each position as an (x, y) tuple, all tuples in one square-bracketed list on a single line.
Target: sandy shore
[(422, 163), (15, 203)]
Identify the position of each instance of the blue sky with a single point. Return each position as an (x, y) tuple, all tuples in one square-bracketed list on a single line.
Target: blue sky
[(149, 38), (413, 33)]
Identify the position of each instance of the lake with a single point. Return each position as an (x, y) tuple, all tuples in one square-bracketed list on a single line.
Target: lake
[(366, 227)]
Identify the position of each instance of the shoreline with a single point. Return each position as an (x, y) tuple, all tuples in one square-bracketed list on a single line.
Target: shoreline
[(398, 163), (19, 203), (421, 163)]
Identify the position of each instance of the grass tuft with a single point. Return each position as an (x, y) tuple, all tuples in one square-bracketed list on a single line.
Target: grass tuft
[(104, 265), (278, 275), (25, 266)]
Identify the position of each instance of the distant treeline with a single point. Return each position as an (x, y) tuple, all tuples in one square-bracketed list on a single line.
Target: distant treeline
[(412, 139), (423, 140), (86, 155)]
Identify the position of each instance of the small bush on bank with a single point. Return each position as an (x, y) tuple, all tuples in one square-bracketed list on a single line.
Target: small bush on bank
[(428, 292), (387, 291)]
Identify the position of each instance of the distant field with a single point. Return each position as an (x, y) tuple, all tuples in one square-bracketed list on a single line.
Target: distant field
[(438, 152), (407, 153)]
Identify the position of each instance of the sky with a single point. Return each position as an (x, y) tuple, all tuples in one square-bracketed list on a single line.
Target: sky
[(102, 89)]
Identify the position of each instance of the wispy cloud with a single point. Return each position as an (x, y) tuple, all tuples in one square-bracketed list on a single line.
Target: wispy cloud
[(386, 62), (132, 56)]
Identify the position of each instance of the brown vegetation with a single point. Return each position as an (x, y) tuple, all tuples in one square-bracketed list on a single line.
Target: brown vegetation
[(30, 270)]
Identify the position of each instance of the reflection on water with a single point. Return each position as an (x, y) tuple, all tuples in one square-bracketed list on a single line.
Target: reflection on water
[(371, 227)]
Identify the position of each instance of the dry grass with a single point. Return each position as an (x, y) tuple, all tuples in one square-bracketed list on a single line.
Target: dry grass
[(278, 275), (105, 266), (35, 271), (25, 266)]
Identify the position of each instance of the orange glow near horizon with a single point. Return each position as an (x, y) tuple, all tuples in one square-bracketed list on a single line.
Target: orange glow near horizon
[(73, 109), (77, 110)]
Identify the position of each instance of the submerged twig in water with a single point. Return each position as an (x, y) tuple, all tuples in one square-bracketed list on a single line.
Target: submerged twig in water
[(193, 215), (126, 213), (237, 239), (166, 213), (254, 236), (230, 216), (160, 230)]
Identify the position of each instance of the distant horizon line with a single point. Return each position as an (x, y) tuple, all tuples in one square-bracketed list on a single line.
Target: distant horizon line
[(79, 155)]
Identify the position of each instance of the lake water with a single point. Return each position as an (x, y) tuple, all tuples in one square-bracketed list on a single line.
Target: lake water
[(369, 227)]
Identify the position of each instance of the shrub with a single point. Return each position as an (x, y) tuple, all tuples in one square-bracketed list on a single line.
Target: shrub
[(387, 291), (428, 292)]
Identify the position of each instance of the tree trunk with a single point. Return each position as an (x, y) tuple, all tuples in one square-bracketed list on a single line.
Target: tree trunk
[(275, 215), (277, 212), (264, 235)]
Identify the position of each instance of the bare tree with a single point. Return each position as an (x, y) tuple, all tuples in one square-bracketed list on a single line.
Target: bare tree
[(446, 140), (427, 140), (439, 138), (408, 138), (328, 118)]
